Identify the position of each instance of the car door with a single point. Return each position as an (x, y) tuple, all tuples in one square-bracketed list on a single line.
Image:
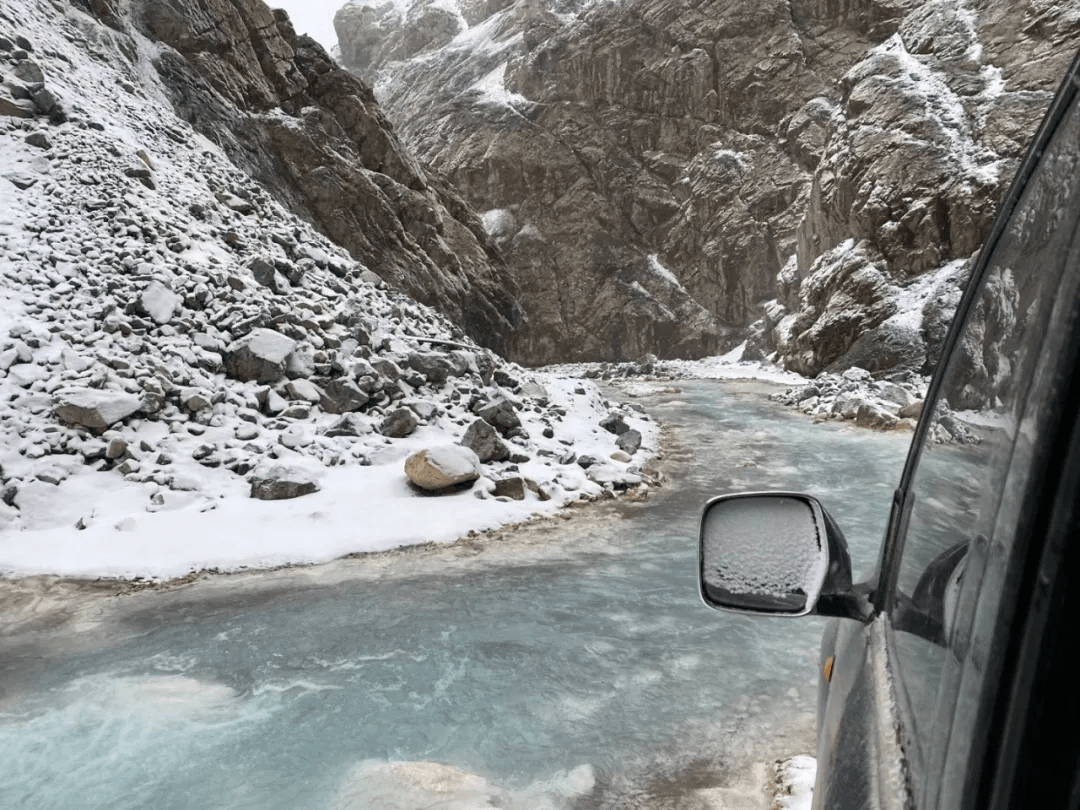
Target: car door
[(915, 712)]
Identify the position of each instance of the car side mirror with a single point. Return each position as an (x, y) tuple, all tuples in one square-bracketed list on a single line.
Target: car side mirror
[(777, 553)]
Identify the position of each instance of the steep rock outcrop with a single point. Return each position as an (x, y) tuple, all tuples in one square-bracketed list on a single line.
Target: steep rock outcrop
[(314, 135), (650, 168)]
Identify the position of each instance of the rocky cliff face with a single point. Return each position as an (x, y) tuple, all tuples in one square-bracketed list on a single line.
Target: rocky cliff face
[(315, 136), (674, 176)]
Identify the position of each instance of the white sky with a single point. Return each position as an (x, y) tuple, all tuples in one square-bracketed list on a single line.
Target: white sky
[(312, 17)]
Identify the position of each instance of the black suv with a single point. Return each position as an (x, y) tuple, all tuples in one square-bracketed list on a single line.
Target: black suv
[(948, 679)]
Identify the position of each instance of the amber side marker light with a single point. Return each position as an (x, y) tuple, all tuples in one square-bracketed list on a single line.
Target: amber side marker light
[(828, 668)]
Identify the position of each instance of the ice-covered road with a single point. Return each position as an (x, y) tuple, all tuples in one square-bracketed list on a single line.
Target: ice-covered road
[(570, 664)]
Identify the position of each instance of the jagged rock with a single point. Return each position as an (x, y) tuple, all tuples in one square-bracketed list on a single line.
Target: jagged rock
[(341, 396), (280, 482), (387, 368), (38, 139), (629, 441), (486, 366), (436, 368), (500, 414), (614, 423), (259, 356), (93, 408), (267, 275), (398, 424), (444, 466), (350, 425), (504, 379), (482, 439)]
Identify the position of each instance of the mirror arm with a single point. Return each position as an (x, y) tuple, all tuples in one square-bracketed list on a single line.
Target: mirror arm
[(838, 596), (854, 603)]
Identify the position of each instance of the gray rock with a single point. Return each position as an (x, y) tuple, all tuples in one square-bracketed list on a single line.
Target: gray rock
[(512, 488), (259, 356), (482, 439), (342, 396), (349, 425), (505, 380), (629, 442), (444, 466), (534, 390), (304, 390), (486, 366), (387, 368), (93, 408), (614, 423), (267, 275), (194, 399), (399, 423), (500, 414), (280, 482), (38, 139), (436, 368)]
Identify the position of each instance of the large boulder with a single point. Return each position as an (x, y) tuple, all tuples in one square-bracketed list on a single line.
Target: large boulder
[(281, 482), (93, 408), (260, 355), (443, 466), (482, 439)]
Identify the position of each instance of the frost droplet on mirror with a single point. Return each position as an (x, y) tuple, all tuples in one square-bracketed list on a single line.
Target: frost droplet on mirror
[(762, 553)]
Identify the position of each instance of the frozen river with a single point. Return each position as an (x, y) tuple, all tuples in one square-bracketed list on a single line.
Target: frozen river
[(567, 665)]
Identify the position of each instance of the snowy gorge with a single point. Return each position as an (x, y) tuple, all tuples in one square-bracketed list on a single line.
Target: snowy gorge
[(173, 340)]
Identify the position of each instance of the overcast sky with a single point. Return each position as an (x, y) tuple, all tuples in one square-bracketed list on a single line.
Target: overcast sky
[(312, 17)]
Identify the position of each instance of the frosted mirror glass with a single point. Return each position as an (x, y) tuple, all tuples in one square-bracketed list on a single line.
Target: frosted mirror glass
[(763, 553)]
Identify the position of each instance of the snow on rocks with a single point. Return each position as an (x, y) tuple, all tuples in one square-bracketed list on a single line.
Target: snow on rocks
[(279, 482), (442, 466), (164, 345), (94, 409)]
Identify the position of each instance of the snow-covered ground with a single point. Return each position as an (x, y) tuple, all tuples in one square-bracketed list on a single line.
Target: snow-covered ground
[(135, 265)]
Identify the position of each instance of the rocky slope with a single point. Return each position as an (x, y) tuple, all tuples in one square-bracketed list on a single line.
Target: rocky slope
[(674, 175), (171, 333), (314, 136)]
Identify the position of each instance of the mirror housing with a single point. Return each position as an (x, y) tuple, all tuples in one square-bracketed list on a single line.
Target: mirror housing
[(778, 554)]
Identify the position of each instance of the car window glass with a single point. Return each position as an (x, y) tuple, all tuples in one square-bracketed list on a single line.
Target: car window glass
[(974, 465)]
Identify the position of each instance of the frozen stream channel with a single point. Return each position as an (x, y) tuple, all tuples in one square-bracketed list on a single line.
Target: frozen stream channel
[(566, 665)]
